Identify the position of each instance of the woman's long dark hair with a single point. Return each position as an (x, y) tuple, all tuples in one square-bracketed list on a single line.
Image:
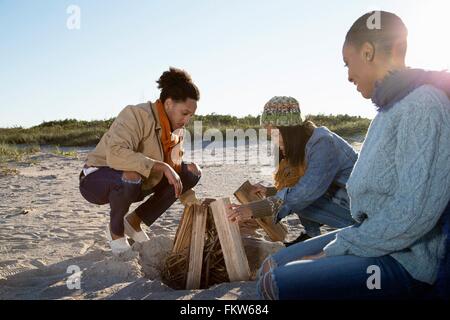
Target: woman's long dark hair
[(295, 139)]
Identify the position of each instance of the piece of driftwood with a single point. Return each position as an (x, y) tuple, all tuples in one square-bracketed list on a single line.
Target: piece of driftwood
[(200, 214), (184, 231), (176, 265), (180, 272), (276, 232), (231, 242), (189, 197)]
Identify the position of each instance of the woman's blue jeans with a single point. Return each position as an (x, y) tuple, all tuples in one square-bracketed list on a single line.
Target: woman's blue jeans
[(337, 277), (331, 210)]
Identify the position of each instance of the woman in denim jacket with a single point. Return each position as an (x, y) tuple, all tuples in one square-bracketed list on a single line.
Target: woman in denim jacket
[(314, 167)]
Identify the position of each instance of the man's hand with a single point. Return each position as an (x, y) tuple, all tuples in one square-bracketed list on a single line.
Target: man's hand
[(194, 168), (259, 190), (172, 177), (238, 212)]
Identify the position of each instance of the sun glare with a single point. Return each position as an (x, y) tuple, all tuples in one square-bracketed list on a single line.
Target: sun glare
[(428, 41)]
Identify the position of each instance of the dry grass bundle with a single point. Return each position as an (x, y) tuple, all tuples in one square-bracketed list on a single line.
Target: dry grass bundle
[(214, 267), (177, 264)]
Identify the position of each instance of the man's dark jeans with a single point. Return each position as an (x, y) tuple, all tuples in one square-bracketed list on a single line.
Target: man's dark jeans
[(107, 186)]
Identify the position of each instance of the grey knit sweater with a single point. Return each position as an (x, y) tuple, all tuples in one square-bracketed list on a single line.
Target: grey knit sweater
[(400, 185)]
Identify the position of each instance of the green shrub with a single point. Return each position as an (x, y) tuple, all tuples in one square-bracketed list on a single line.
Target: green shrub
[(71, 132)]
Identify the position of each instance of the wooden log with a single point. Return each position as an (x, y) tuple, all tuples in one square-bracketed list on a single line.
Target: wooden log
[(200, 214), (231, 242), (188, 198), (275, 231), (183, 234), (244, 195)]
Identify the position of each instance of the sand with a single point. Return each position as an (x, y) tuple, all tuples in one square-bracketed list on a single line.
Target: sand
[(51, 239)]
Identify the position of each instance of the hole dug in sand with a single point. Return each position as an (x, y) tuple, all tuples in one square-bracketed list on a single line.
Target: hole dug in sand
[(207, 250), (196, 258), (154, 258), (147, 268)]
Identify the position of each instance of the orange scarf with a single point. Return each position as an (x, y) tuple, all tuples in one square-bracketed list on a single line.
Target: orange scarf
[(287, 176), (168, 139)]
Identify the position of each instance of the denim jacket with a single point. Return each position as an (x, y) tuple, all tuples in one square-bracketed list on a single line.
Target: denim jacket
[(329, 158)]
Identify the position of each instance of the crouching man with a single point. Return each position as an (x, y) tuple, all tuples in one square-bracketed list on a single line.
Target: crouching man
[(140, 155)]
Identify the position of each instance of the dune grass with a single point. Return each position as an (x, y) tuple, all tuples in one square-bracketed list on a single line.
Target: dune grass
[(71, 132), (10, 152), (67, 132), (344, 125)]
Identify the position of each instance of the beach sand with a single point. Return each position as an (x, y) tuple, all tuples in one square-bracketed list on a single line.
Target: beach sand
[(48, 232)]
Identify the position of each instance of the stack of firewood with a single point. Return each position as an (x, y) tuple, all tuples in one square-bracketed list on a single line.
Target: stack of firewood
[(196, 260), (208, 248)]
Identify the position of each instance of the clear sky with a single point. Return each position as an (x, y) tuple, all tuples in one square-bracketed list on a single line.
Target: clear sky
[(239, 52)]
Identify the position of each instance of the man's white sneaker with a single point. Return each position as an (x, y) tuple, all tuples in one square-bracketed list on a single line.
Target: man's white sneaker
[(137, 236), (120, 246)]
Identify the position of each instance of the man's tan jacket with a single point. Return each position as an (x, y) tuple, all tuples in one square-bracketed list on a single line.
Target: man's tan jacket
[(132, 143)]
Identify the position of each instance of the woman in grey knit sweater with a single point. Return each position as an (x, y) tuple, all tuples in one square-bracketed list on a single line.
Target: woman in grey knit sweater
[(398, 188)]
